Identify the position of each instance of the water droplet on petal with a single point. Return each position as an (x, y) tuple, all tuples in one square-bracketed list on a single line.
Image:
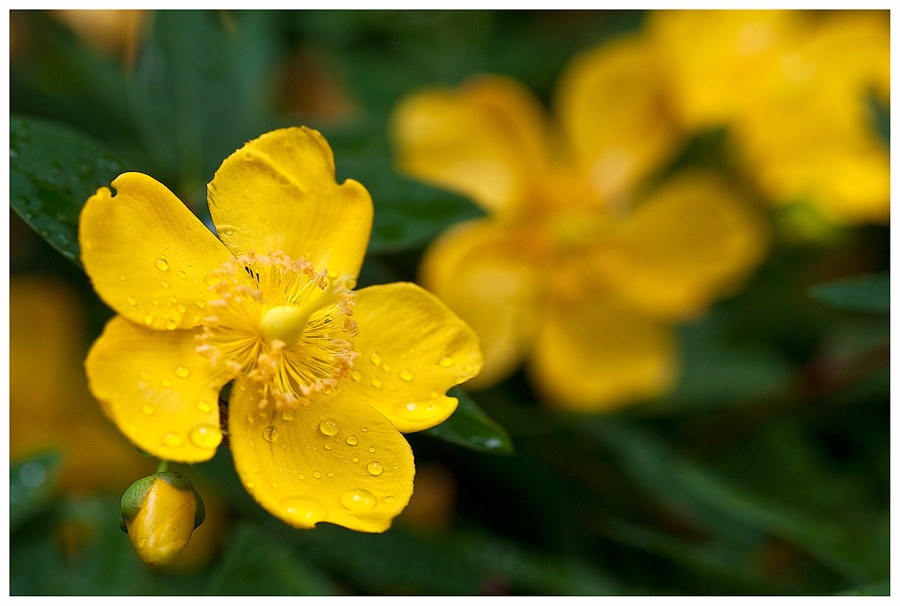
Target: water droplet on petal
[(406, 375), (172, 440), (164, 284), (181, 308), (446, 362), (288, 414), (330, 474), (356, 459), (358, 499), (203, 406), (182, 372), (304, 509), (364, 429), (181, 274), (145, 376), (171, 325), (388, 499), (148, 320), (329, 427), (328, 445), (148, 410), (161, 265), (317, 474), (375, 468), (356, 375), (376, 382), (352, 440), (131, 301), (300, 476), (206, 436), (274, 484), (270, 433), (375, 358), (372, 449), (250, 485), (166, 383)]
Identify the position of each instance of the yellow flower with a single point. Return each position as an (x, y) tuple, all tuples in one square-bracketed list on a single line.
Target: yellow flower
[(49, 404), (575, 269), (324, 378), (793, 88)]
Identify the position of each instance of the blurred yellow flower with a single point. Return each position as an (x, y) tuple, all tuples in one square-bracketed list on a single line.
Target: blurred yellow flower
[(325, 379), (49, 404), (794, 87), (575, 268)]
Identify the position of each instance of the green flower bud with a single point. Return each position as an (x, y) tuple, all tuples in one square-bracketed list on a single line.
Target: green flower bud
[(159, 513)]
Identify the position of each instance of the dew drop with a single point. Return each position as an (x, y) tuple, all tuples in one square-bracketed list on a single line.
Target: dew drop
[(358, 499), (148, 410), (171, 325), (406, 375), (328, 445), (288, 414), (327, 391), (251, 485), (304, 509), (328, 427), (317, 475), (131, 301), (388, 499), (300, 476), (161, 265), (372, 449), (182, 372), (376, 382), (274, 484), (375, 358), (203, 406), (330, 474), (206, 436), (148, 320), (164, 284), (145, 376), (181, 274), (201, 303), (364, 429), (375, 468), (355, 459), (181, 308), (172, 440), (356, 375), (155, 302), (434, 394), (446, 362), (352, 440), (166, 383), (270, 433)]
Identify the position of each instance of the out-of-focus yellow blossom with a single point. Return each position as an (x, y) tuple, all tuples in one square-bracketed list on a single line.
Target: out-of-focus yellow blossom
[(49, 404), (794, 88), (159, 513), (112, 31), (573, 269), (324, 379)]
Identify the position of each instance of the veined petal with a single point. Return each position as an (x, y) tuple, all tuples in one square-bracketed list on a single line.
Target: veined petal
[(158, 390), (412, 349), (600, 355), (335, 460), (485, 139), (147, 255), (690, 242), (613, 106), (477, 270), (278, 193)]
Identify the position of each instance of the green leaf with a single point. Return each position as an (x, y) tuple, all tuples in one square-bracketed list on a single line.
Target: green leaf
[(871, 293), (258, 562), (53, 170), (469, 426), (31, 483)]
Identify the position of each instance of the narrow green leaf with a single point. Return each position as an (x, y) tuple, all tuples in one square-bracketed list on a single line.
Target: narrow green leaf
[(469, 426), (871, 293), (53, 170), (31, 482)]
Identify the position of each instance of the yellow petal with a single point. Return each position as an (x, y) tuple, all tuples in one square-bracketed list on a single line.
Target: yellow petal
[(278, 193), (158, 390), (600, 355), (147, 254), (412, 349), (484, 139), (335, 460), (691, 241), (476, 269), (612, 104)]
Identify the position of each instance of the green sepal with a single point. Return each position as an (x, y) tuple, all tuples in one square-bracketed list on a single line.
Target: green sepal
[(200, 515), (133, 498), (173, 478)]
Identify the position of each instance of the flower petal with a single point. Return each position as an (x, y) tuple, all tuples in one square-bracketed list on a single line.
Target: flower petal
[(690, 242), (147, 254), (611, 102), (476, 271), (600, 355), (412, 349), (335, 460), (484, 139), (158, 390), (278, 193)]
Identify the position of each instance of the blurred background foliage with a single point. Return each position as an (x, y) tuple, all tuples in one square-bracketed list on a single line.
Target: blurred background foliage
[(766, 470)]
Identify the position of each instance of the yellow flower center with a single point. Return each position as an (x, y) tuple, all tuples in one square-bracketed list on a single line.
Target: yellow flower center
[(282, 324)]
